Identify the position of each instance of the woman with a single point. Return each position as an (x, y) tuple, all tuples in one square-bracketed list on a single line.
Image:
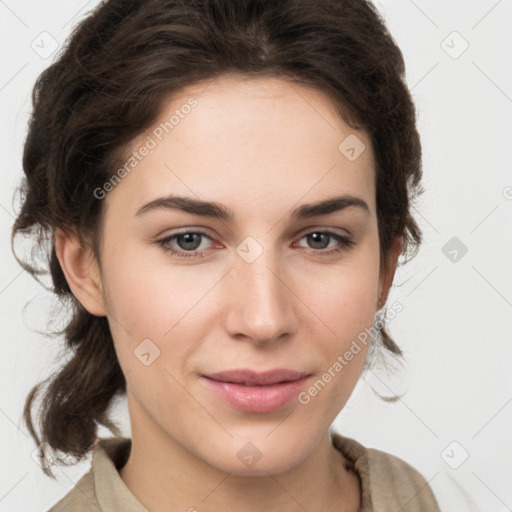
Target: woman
[(226, 190)]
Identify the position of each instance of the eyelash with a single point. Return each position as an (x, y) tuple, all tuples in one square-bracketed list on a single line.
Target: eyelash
[(346, 243)]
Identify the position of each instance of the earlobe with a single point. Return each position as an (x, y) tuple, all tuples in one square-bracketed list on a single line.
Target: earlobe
[(389, 273), (81, 271)]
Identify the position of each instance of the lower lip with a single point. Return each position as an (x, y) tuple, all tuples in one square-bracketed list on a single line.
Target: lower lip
[(257, 398)]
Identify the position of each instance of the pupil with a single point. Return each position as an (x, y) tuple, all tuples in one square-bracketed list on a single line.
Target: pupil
[(317, 240), (189, 243)]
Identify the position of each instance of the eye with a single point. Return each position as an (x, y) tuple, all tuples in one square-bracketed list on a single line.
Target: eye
[(320, 239), (187, 243)]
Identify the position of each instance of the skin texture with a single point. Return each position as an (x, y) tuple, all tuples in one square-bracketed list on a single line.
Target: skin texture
[(262, 147)]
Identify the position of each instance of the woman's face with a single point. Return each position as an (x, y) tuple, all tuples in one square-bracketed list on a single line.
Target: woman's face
[(191, 292)]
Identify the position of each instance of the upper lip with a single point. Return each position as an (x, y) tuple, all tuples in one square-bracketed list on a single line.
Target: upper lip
[(252, 378)]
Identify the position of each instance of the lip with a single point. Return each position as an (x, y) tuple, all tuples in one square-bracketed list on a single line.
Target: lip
[(251, 391)]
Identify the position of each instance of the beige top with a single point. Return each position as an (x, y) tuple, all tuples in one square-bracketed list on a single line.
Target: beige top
[(388, 483)]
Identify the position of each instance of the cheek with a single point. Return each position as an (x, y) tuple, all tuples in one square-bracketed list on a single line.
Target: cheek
[(345, 303), (345, 298), (158, 302), (169, 304)]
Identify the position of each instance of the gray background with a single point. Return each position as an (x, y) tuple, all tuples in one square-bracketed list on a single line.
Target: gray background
[(454, 421)]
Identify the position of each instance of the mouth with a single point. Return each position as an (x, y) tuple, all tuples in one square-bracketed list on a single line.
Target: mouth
[(247, 377), (250, 391)]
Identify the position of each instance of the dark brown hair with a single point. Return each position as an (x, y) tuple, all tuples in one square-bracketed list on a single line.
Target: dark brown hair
[(108, 85)]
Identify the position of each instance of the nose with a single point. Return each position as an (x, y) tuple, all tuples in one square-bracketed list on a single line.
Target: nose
[(261, 301)]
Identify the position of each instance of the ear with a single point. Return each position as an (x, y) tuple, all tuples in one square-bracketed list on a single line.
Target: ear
[(81, 270), (386, 278)]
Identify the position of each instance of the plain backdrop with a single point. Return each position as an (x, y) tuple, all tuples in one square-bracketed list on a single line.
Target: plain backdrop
[(453, 422)]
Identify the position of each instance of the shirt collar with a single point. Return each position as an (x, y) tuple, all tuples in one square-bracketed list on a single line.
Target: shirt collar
[(112, 493)]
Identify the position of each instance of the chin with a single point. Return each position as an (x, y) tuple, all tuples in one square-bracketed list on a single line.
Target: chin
[(257, 458)]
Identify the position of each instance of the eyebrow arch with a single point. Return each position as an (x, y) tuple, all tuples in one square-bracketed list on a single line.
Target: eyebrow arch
[(219, 211)]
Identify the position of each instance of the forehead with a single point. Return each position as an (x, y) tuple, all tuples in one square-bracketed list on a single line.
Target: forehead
[(237, 139)]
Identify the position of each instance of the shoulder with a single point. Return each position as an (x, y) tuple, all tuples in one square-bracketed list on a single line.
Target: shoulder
[(387, 482), (101, 489), (81, 498), (394, 479)]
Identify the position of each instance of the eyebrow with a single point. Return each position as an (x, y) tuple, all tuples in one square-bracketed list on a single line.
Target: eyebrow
[(219, 211)]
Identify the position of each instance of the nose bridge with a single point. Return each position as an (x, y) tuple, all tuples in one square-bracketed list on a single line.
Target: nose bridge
[(261, 305)]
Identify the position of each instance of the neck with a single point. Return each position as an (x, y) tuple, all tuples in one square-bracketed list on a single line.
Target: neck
[(164, 476)]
